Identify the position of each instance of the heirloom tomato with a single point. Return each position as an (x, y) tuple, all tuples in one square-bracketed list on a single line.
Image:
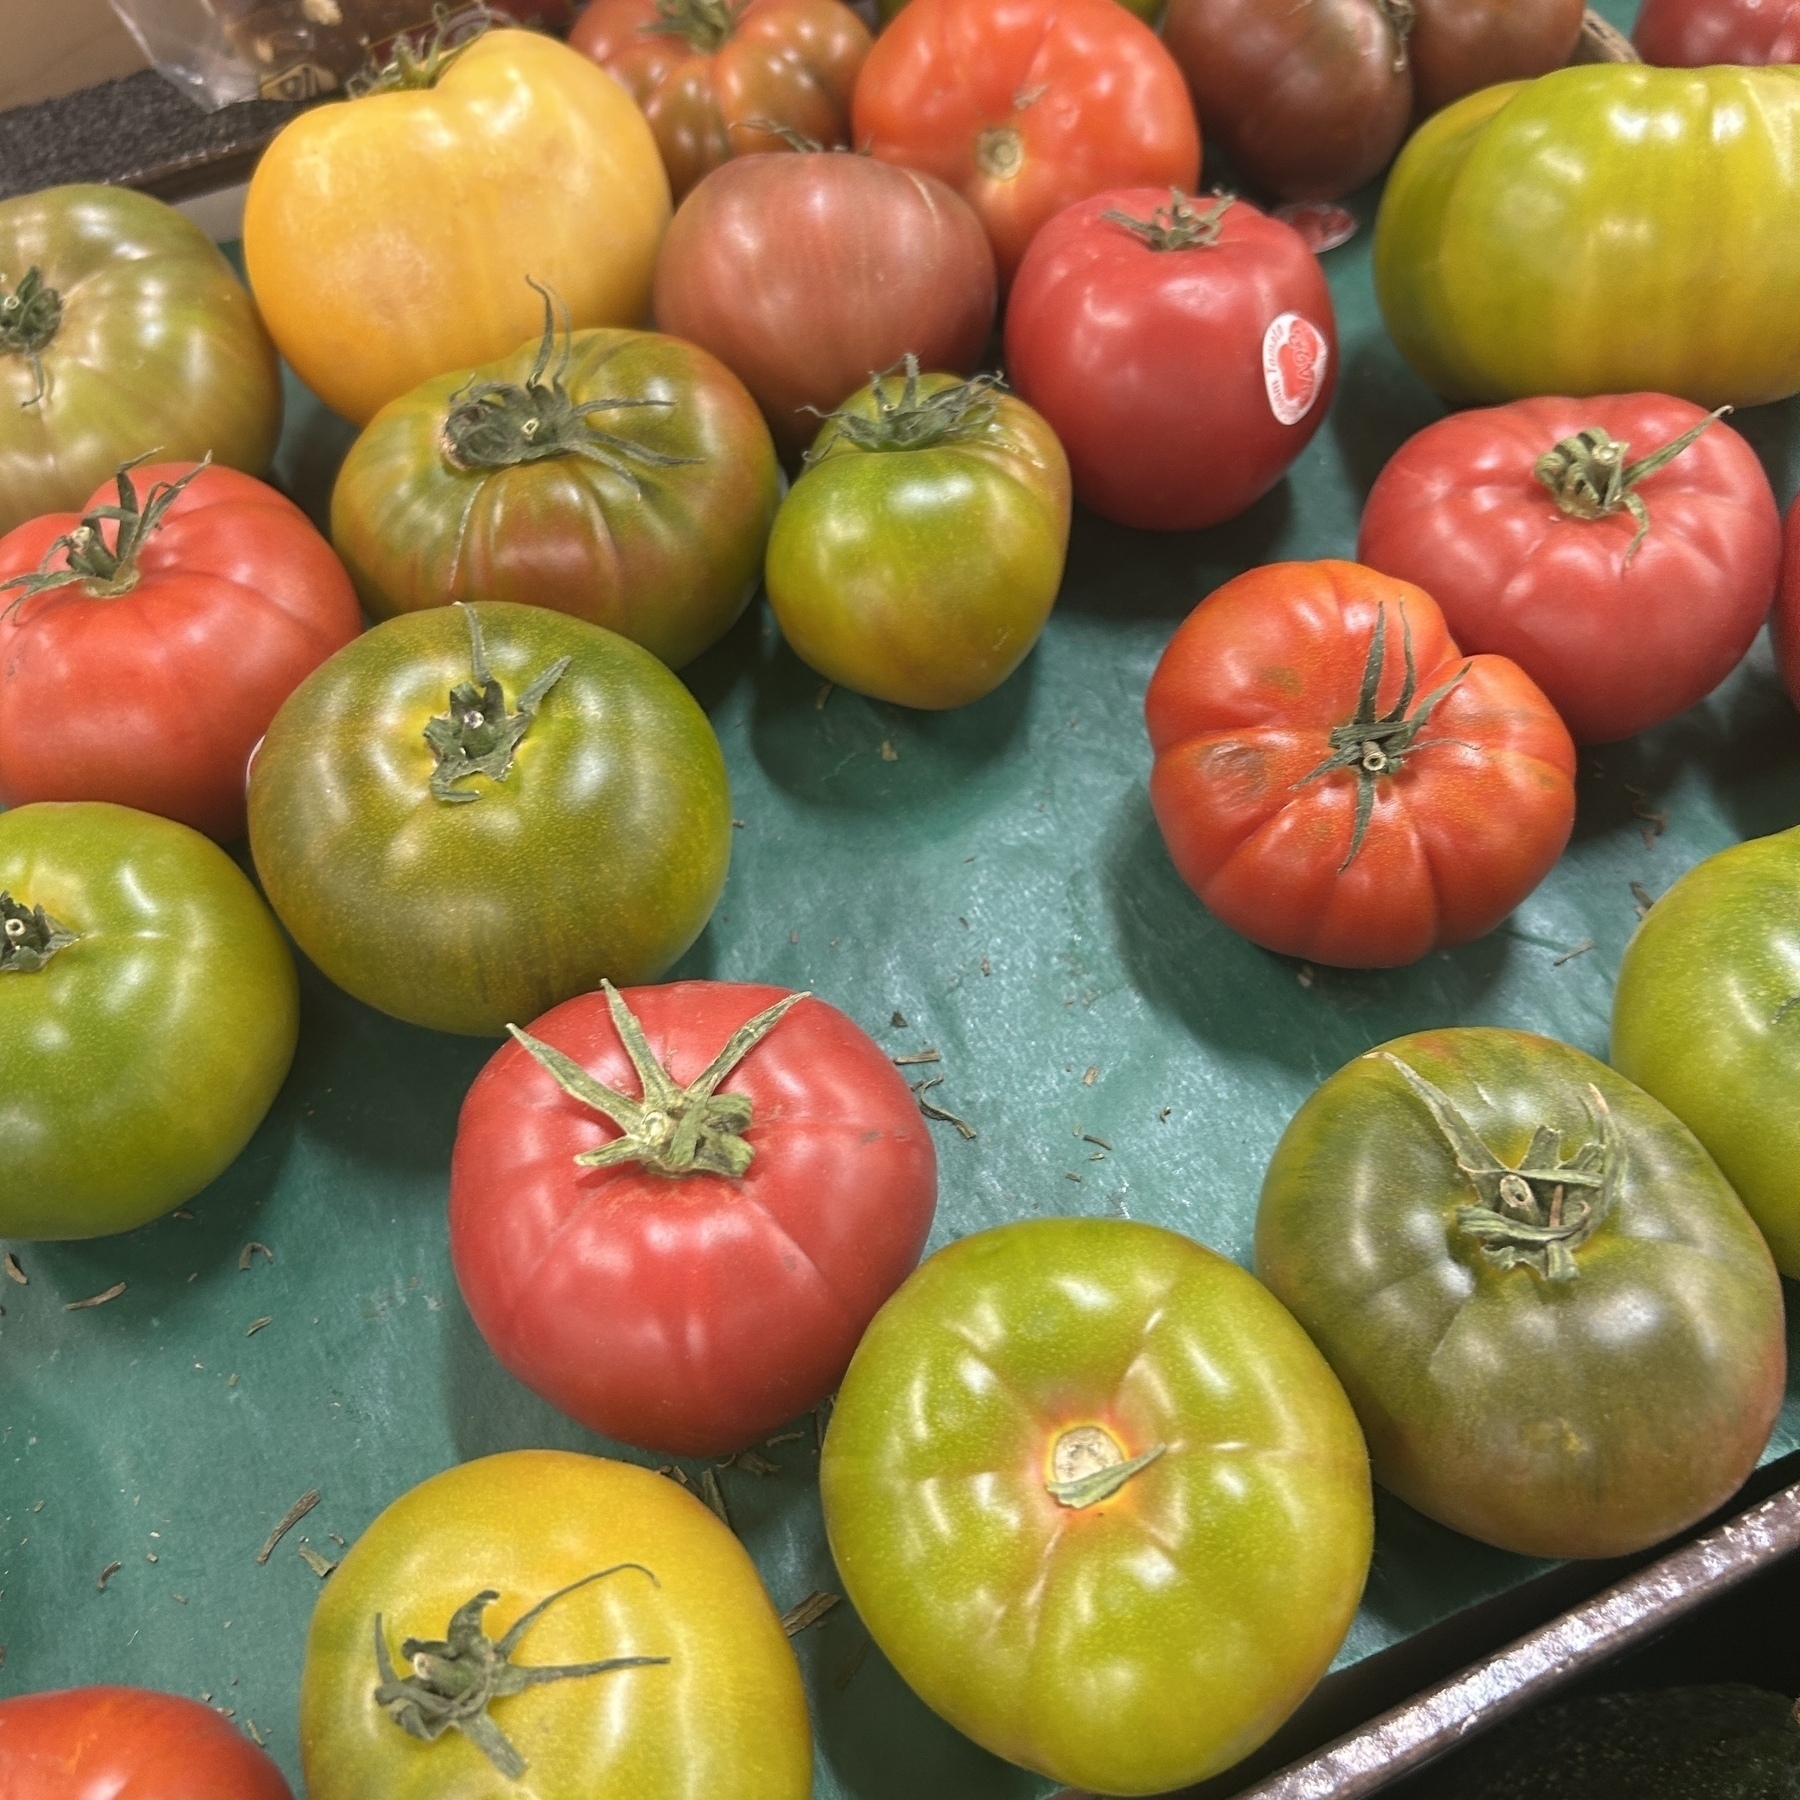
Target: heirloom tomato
[(623, 477), (1693, 34), (722, 78), (1622, 550), (1336, 780), (145, 646), (1785, 621), (122, 331), (1457, 46), (1706, 1016), (673, 1211), (1555, 1320), (1184, 351), (919, 555), (122, 1743), (389, 238), (471, 813), (1605, 229), (1098, 1500), (803, 274), (580, 1621), (148, 1015), (1026, 106)]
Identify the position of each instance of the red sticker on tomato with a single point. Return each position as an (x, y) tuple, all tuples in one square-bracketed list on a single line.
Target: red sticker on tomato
[(1294, 357)]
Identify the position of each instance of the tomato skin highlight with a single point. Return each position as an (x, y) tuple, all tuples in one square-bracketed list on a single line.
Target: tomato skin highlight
[(122, 1743), (1150, 365), (1156, 1636), (1590, 1416), (1240, 713), (1619, 639)]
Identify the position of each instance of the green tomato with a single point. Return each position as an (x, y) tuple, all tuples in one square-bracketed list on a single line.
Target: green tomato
[(470, 814), (1706, 1017), (1605, 229), (1558, 1325), (148, 1015), (122, 331), (919, 555), (1098, 1500)]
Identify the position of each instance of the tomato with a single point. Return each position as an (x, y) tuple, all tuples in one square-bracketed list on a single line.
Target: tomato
[(1548, 237), (120, 1743), (472, 813), (1184, 351), (389, 238), (1693, 34), (1706, 1016), (122, 330), (1457, 46), (688, 1291), (623, 477), (1558, 1326), (661, 1667), (148, 1015), (1785, 621), (1336, 780), (145, 647), (724, 78), (919, 555), (1626, 581), (1098, 1500), (804, 273), (1026, 106)]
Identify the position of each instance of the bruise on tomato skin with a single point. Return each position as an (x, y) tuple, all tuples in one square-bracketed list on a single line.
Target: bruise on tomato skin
[(1282, 679), (1236, 770)]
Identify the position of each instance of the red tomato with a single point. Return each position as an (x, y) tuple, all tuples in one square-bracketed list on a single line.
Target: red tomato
[(1694, 34), (1183, 350), (1026, 106), (121, 1743), (706, 1280), (1519, 521), (1785, 623), (803, 274), (1336, 780), (148, 677)]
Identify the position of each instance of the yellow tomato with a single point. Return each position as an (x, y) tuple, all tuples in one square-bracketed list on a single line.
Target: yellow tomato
[(389, 239)]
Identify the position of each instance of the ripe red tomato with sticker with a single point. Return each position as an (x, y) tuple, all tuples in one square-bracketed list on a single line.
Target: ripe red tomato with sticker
[(1696, 34), (1337, 781), (1621, 549), (673, 1210), (1184, 350)]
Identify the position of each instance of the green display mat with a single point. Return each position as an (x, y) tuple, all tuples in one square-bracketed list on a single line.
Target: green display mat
[(993, 876)]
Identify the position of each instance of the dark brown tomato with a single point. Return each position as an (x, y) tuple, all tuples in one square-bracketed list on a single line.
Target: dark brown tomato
[(1457, 46)]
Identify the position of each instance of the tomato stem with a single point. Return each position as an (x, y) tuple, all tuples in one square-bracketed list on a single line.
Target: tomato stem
[(478, 736), (910, 423), (1589, 478), (671, 1129), (1177, 226), (29, 316), (1087, 1466), (1000, 151), (707, 25), (29, 937), (456, 1679), (422, 65)]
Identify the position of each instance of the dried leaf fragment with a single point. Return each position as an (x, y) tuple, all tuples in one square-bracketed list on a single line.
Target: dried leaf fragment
[(319, 1565), (1580, 949), (14, 1272), (714, 1496), (256, 1325), (808, 1611), (916, 1056), (289, 1520), (106, 1575), (112, 1293), (248, 1255)]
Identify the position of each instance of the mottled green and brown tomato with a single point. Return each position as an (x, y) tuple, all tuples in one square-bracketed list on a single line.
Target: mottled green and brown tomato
[(1706, 1017), (470, 814), (638, 1654), (148, 1015), (1556, 1321), (626, 478), (918, 556), (1098, 1500), (122, 331)]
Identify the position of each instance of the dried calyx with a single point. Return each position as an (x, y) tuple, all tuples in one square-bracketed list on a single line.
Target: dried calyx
[(479, 735), (1589, 478), (1376, 744), (1087, 1466), (29, 937), (422, 64), (29, 316), (455, 1680), (908, 422), (670, 1129), (1178, 226), (1543, 1210)]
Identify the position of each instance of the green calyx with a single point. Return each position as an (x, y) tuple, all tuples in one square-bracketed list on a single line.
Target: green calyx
[(106, 571), (1376, 745), (1087, 1466), (671, 1130), (422, 65), (29, 316), (907, 422), (1542, 1211), (455, 1681), (500, 424), (29, 937), (1177, 226), (1589, 478), (478, 735), (705, 24)]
